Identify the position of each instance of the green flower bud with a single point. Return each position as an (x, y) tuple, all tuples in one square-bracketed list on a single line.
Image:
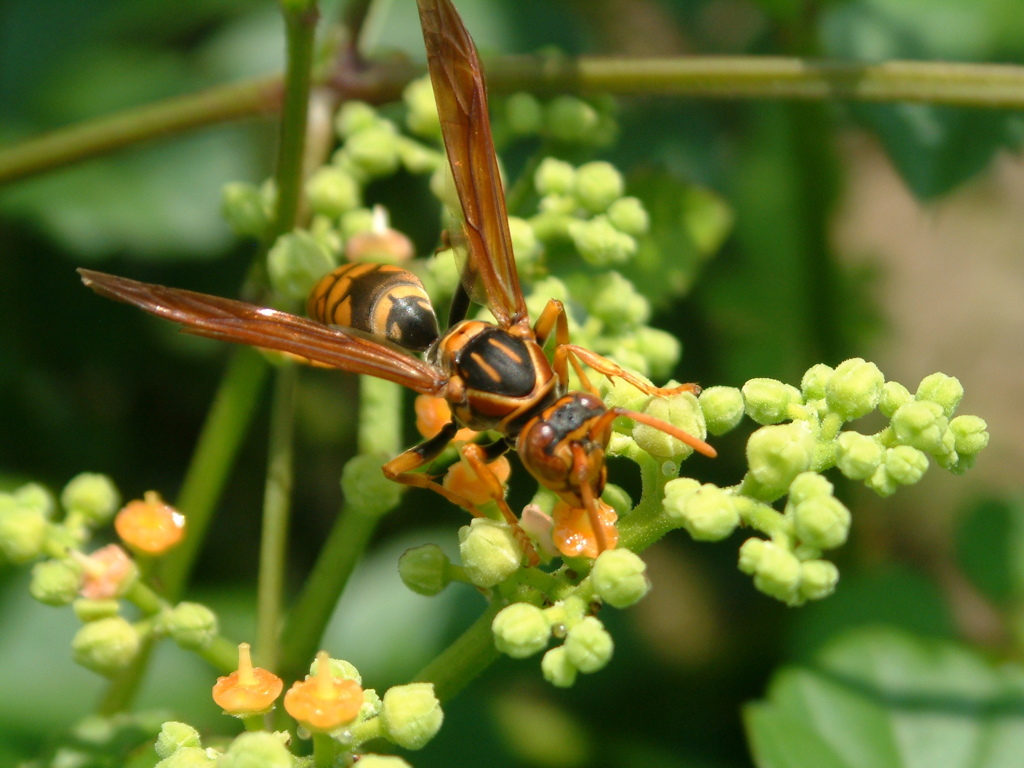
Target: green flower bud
[(680, 411), (551, 226), (921, 424), (815, 381), (621, 394), (767, 400), (857, 455), (723, 408), (942, 389), (382, 761), (660, 349), (706, 511), (572, 120), (776, 570), (524, 243), (354, 222), (187, 757), (970, 434), (417, 158), (563, 205), (809, 485), (818, 579), (520, 630), (489, 551), (324, 231), (346, 670), (556, 177), (601, 244), (295, 263), (174, 736), (588, 646), (524, 114), (55, 582), (854, 388), (374, 150), (617, 302), (822, 522), (776, 454), (627, 214), (619, 578), (598, 185), (366, 489), (881, 482), (34, 496), (244, 209), (411, 714), (355, 117), (422, 118), (106, 646), (905, 465), (257, 748), (557, 668), (894, 396), (23, 531), (424, 569), (192, 626), (92, 496), (89, 609), (331, 191)]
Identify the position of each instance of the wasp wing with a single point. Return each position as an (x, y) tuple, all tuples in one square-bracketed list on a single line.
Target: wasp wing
[(461, 96), (243, 323)]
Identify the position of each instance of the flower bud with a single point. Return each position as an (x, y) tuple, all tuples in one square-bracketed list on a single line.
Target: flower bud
[(174, 736), (520, 630), (367, 491), (106, 646), (355, 221), (776, 454), (599, 243), (192, 626), (382, 761), (416, 158), (108, 572), (682, 411), (627, 214), (598, 185), (921, 424), (384, 246), (257, 748), (374, 151), (617, 302), (571, 120), (818, 579), (564, 205), (815, 381), (331, 191), (857, 455), (776, 570), (354, 117), (905, 465), (93, 496), (524, 244), (970, 434), (422, 118), (524, 114), (23, 531), (767, 400), (588, 646), (188, 757), (341, 668), (424, 569), (809, 485), (822, 522), (854, 388), (411, 714), (489, 551), (660, 349), (87, 609), (56, 582), (295, 263), (619, 578), (244, 209), (723, 408), (941, 389), (894, 396), (557, 668), (706, 511), (35, 496)]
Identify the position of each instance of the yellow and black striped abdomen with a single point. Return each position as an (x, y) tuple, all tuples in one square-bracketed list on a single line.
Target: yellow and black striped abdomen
[(380, 299)]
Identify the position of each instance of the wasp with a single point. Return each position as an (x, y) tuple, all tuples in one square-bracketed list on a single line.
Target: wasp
[(495, 377)]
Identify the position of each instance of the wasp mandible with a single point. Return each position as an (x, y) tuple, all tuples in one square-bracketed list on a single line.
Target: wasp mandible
[(371, 319)]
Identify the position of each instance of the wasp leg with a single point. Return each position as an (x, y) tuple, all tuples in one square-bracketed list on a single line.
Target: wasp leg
[(612, 370)]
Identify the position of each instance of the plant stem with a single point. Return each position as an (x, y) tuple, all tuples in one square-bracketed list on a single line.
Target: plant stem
[(276, 512), (464, 659)]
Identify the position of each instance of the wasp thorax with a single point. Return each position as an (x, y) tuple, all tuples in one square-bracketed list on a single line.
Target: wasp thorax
[(379, 299)]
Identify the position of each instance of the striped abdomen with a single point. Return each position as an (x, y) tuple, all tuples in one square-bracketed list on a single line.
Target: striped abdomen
[(380, 299)]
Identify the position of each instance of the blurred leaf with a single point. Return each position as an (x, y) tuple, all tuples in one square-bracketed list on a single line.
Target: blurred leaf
[(880, 699), (989, 543)]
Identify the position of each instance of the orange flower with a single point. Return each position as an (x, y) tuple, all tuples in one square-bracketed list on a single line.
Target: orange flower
[(150, 525), (105, 572), (573, 534), (324, 702), (462, 480), (248, 690), (432, 413)]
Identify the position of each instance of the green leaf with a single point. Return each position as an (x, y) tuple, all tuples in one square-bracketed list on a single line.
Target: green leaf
[(988, 543), (884, 699)]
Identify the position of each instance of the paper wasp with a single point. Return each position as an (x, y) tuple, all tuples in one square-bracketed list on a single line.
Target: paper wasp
[(494, 376)]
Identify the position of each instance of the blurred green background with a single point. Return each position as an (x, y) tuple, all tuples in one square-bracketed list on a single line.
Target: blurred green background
[(894, 233)]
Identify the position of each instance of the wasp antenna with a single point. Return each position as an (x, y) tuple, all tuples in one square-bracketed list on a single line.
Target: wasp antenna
[(670, 429)]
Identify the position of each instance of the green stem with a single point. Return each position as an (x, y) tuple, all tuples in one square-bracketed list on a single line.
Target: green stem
[(221, 654), (276, 512), (464, 659), (325, 750)]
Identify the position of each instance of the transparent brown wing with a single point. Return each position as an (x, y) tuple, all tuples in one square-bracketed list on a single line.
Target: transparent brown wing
[(242, 323), (461, 96)]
